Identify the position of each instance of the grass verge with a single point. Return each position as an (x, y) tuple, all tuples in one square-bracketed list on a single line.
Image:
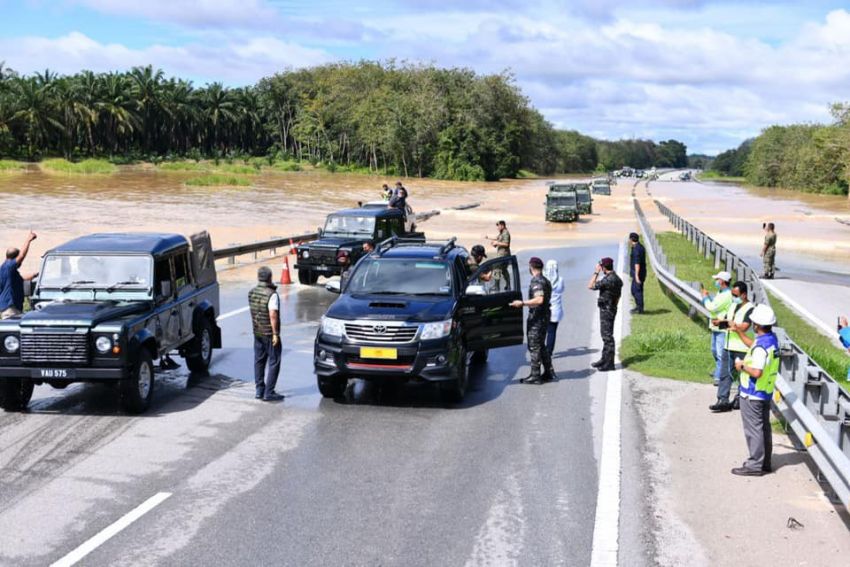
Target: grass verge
[(652, 336), (11, 166), (84, 167), (716, 176), (218, 180), (664, 341)]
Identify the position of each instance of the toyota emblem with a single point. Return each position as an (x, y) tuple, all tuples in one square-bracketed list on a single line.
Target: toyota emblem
[(379, 329)]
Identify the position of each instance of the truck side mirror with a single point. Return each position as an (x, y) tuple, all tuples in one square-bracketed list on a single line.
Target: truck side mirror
[(319, 231), (165, 288), (475, 289)]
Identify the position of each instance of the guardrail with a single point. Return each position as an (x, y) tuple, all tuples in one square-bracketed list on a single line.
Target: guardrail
[(230, 252), (814, 406)]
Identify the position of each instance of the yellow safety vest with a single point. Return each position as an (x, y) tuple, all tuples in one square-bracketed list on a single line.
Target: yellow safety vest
[(737, 313)]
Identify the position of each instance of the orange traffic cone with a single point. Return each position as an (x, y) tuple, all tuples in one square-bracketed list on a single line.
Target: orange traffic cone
[(285, 279)]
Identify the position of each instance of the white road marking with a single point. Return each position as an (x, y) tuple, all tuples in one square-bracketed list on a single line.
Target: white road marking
[(606, 528), (230, 314), (110, 531)]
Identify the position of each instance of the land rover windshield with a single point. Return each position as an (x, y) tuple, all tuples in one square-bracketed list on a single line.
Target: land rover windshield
[(106, 274), (409, 276), (562, 201), (349, 225)]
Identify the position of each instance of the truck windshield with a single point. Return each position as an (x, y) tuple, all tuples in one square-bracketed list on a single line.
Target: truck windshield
[(583, 196), (562, 201), (408, 276), (92, 271), (347, 225)]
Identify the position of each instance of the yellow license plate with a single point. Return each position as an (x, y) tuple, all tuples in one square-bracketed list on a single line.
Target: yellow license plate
[(382, 353)]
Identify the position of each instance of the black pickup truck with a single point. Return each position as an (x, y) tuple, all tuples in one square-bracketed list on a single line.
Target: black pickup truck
[(413, 311), (104, 307), (341, 240)]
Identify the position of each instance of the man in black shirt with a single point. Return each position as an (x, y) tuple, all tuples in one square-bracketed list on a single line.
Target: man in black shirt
[(610, 287), (637, 270), (539, 296)]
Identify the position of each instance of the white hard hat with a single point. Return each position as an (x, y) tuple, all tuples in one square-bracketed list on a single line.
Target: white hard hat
[(763, 315), (725, 276)]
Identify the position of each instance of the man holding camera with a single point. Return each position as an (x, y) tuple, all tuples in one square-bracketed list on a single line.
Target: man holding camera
[(737, 320), (610, 287), (717, 305)]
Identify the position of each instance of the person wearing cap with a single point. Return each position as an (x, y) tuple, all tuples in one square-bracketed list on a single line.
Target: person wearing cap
[(502, 244), (758, 372), (264, 304), (610, 288), (736, 319), (538, 302), (386, 193), (476, 256), (637, 270), (717, 305), (556, 303)]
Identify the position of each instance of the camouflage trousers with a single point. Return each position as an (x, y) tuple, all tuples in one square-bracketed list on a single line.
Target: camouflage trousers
[(501, 279), (536, 337), (769, 263)]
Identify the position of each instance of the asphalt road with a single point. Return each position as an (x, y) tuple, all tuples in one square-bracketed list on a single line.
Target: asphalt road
[(508, 477)]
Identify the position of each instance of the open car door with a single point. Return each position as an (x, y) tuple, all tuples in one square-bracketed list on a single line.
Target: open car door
[(203, 263), (486, 315)]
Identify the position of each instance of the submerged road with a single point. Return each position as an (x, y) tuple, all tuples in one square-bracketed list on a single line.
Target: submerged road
[(508, 477)]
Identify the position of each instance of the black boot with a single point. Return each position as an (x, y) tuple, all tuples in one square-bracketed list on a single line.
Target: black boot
[(721, 406), (736, 403), (598, 363)]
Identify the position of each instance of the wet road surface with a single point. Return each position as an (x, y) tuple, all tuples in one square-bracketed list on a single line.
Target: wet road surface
[(509, 476)]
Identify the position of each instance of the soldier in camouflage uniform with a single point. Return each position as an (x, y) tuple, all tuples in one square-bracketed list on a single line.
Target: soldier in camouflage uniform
[(502, 244), (768, 251), (539, 297)]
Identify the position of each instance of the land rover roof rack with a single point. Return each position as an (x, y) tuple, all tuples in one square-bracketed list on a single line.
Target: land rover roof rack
[(397, 241)]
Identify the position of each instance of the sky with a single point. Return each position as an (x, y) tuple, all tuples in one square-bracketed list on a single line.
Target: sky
[(708, 73)]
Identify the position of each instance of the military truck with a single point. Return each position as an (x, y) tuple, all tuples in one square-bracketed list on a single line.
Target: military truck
[(340, 242), (585, 201), (562, 203), (105, 306), (601, 187)]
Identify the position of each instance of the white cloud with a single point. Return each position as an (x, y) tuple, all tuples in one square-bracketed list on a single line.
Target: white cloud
[(235, 62), (201, 13)]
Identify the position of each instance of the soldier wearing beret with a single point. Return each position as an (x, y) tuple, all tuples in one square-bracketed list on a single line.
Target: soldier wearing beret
[(538, 302), (610, 286)]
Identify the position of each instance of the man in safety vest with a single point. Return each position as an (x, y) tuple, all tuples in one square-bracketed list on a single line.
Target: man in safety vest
[(759, 370), (737, 318), (718, 304)]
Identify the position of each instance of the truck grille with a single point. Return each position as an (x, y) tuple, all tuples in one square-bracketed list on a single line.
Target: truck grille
[(55, 347), (326, 257), (379, 332)]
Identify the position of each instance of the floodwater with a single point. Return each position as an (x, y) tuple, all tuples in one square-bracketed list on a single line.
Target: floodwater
[(811, 243), (60, 207)]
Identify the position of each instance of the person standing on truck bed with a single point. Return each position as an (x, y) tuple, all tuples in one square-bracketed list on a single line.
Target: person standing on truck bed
[(502, 244), (264, 303), (539, 303), (12, 282)]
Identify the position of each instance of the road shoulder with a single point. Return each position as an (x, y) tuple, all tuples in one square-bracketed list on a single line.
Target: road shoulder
[(703, 515)]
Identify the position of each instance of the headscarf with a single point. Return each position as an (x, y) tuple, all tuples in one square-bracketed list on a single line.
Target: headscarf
[(550, 272)]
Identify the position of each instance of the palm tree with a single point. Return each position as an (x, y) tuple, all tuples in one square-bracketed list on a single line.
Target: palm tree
[(35, 112), (219, 109), (115, 110), (146, 89)]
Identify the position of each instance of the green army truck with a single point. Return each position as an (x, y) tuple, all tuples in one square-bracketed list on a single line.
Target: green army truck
[(585, 201), (562, 203)]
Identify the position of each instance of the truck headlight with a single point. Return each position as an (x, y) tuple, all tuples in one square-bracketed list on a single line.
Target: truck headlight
[(436, 330), (333, 327), (103, 344), (11, 343), (305, 254)]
